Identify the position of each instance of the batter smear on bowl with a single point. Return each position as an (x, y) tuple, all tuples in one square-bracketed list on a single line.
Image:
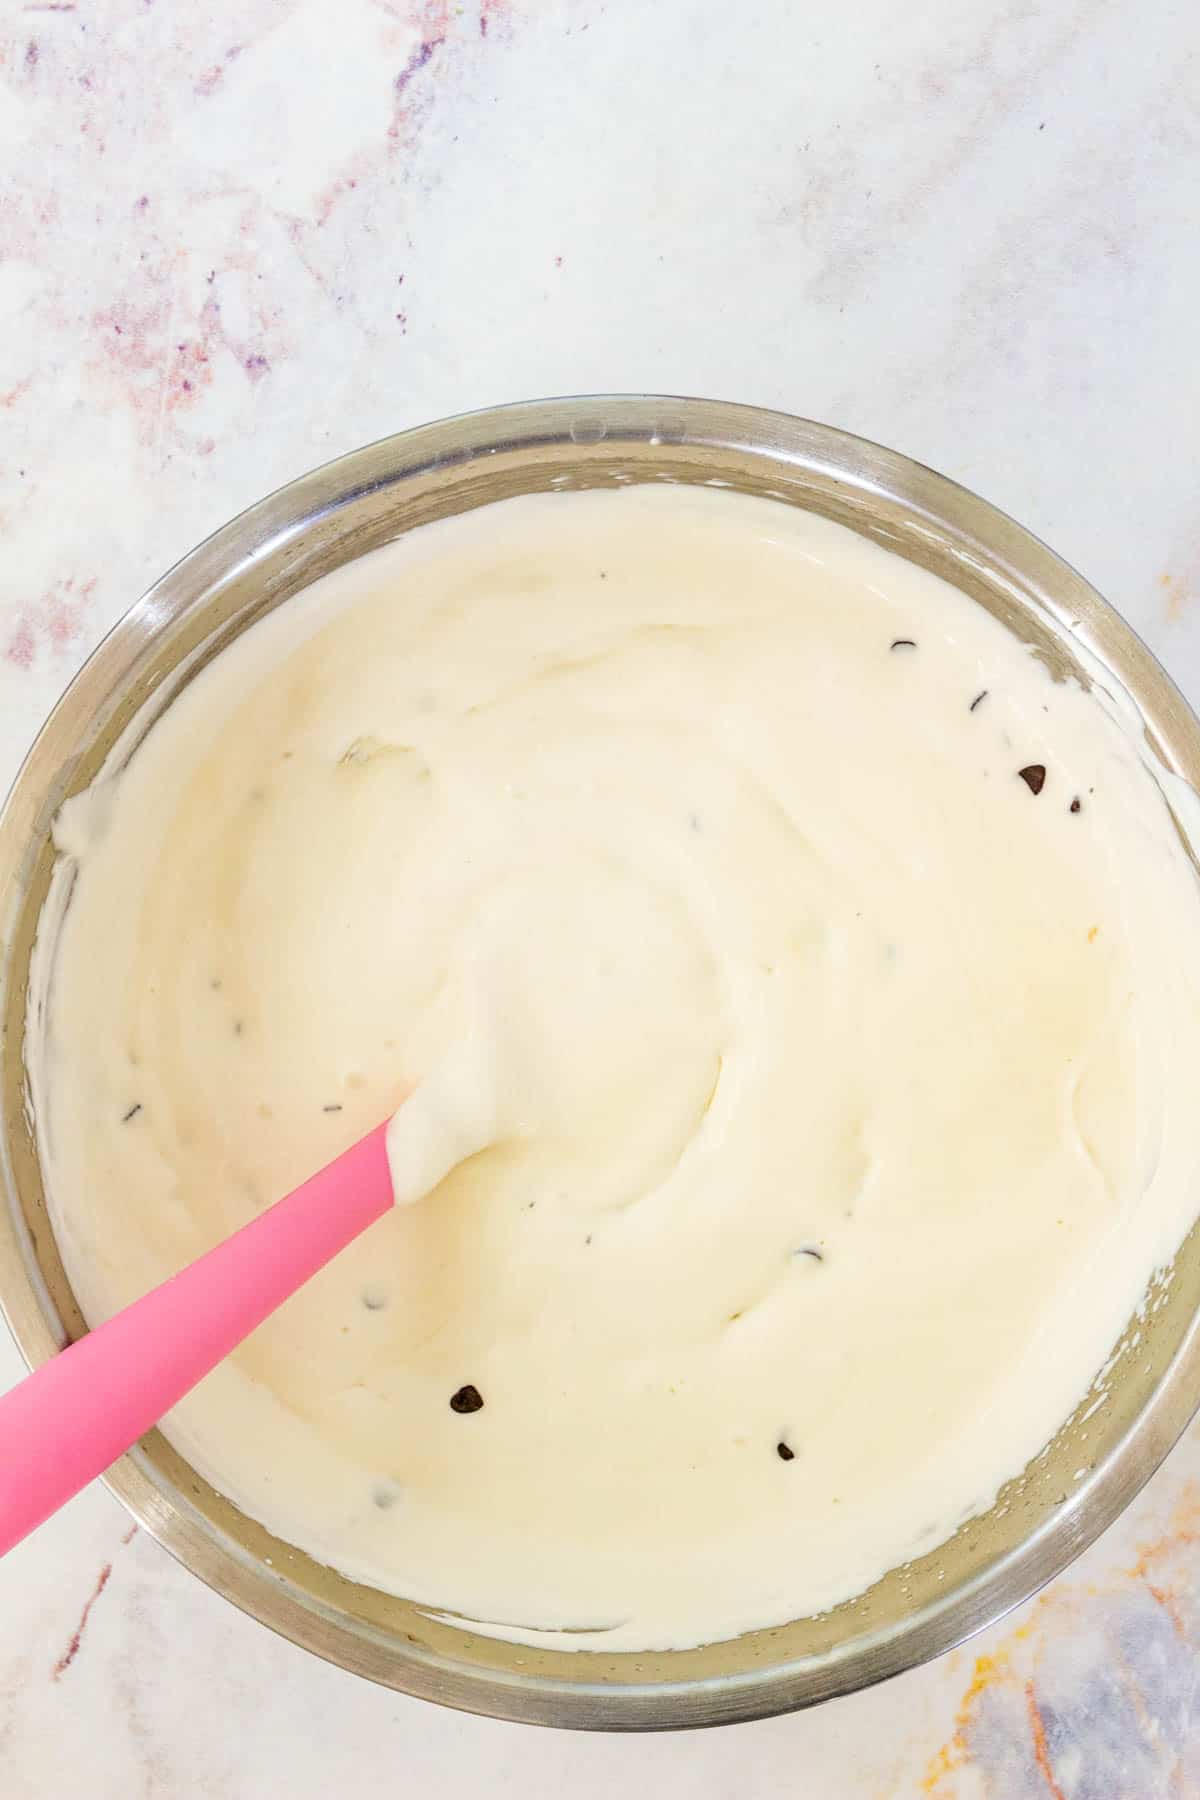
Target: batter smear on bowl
[(838, 977)]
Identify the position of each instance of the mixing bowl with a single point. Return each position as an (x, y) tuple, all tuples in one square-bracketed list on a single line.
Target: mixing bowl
[(1100, 1458)]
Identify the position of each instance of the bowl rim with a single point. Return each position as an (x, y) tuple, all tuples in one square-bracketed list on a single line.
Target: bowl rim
[(777, 438)]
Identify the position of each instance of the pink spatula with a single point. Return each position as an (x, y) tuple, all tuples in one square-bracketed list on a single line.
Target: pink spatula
[(64, 1424)]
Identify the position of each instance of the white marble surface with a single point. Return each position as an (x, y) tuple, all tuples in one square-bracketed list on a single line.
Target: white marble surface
[(239, 238)]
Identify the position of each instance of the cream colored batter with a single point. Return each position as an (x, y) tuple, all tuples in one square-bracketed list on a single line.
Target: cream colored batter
[(842, 1063)]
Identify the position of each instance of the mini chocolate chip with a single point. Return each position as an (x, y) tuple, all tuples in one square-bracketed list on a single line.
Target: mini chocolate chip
[(335, 1107), (809, 1250), (385, 1496), (467, 1400), (904, 643), (133, 1112), (1077, 804), (1034, 777), (785, 1452), (978, 700), (374, 1299)]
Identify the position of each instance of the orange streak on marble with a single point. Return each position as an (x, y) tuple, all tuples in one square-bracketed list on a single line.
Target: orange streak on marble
[(1183, 1531), (955, 1752), (1127, 1677), (1166, 1600), (1183, 1528), (1041, 1751)]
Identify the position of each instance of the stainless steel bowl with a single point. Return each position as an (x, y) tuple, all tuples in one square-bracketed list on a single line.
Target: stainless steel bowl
[(1041, 1520)]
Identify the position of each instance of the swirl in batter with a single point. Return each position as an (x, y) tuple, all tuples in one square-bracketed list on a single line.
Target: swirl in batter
[(839, 973)]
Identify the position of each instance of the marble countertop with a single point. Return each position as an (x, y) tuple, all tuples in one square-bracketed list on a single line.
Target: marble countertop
[(238, 239)]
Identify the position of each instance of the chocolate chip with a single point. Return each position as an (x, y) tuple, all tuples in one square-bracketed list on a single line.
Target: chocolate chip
[(978, 700), (133, 1112), (1034, 777), (904, 643), (1077, 804), (809, 1250), (374, 1299), (467, 1400), (385, 1496), (785, 1452), (336, 1107)]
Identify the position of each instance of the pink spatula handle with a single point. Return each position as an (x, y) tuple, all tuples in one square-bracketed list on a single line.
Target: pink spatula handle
[(64, 1424)]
